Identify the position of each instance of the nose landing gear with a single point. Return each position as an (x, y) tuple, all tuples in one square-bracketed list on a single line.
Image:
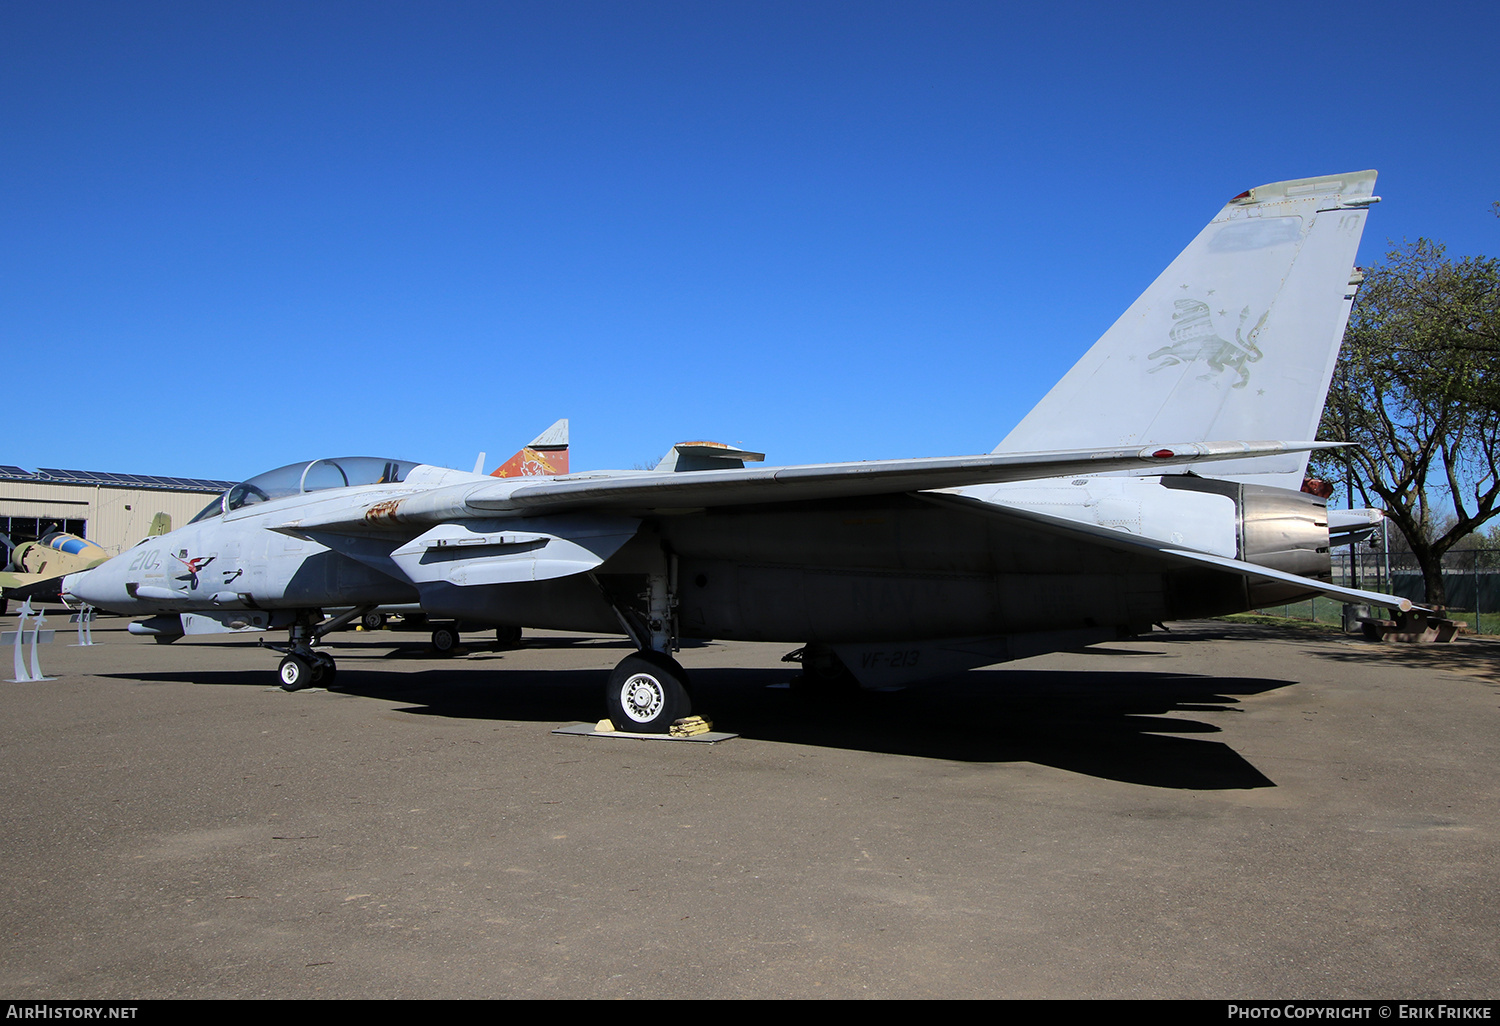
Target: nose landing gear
[(305, 671), (302, 666)]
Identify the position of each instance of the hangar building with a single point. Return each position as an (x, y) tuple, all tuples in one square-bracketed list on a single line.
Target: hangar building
[(112, 510)]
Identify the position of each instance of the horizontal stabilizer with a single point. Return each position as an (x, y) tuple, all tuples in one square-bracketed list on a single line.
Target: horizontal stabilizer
[(1171, 554), (1265, 573)]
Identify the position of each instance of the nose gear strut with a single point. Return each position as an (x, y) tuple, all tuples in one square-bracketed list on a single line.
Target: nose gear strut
[(303, 667)]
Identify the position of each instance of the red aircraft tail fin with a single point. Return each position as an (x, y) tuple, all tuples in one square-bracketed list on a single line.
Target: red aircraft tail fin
[(545, 455)]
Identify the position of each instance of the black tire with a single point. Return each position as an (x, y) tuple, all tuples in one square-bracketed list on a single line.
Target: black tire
[(445, 640), (325, 670), (507, 637), (372, 621), (295, 673), (647, 693)]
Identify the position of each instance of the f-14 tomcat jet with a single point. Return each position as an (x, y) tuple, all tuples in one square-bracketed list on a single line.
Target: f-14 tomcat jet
[(1128, 496)]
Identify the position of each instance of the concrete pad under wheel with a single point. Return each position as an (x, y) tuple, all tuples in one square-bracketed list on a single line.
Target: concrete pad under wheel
[(593, 730)]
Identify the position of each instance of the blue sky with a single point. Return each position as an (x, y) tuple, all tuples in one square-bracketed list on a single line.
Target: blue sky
[(235, 236)]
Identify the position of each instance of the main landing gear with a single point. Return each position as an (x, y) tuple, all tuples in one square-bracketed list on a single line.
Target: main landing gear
[(445, 637), (647, 693), (302, 666)]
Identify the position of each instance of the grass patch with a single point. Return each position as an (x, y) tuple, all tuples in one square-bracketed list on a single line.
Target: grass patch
[(1327, 612), (1287, 623)]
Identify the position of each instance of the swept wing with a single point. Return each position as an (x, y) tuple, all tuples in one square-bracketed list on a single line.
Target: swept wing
[(754, 486)]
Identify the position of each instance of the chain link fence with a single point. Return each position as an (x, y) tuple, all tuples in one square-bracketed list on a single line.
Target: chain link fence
[(1471, 577)]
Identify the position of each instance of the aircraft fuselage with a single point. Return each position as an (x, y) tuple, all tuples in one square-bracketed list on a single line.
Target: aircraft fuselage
[(900, 567)]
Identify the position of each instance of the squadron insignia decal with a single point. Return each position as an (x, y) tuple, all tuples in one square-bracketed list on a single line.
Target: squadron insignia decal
[(193, 566), (1193, 339)]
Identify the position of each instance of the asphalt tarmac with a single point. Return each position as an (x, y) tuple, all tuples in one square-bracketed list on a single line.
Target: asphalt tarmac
[(1223, 811)]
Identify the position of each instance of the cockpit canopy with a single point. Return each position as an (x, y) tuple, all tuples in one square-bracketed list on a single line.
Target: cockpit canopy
[(70, 543), (313, 476)]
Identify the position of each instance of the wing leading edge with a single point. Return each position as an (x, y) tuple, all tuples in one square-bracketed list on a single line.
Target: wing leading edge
[(754, 486)]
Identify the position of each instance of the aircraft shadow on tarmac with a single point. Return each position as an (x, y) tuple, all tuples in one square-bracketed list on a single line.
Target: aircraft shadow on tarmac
[(1466, 654), (409, 646), (1111, 724)]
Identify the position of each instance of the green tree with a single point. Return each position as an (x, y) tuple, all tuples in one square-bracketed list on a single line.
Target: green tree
[(1483, 548), (1417, 389)]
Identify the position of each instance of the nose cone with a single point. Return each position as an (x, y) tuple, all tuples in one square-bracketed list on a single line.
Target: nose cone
[(74, 589), (103, 587)]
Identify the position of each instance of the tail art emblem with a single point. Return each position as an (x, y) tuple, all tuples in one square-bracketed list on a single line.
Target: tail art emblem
[(531, 462), (1193, 338)]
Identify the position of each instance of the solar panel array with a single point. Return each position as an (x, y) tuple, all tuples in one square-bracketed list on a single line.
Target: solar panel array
[(93, 477)]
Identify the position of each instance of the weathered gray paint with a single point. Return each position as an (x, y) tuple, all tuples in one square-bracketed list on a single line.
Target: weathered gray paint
[(954, 559)]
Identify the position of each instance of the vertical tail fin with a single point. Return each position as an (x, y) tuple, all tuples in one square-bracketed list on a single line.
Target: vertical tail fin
[(1236, 340), (546, 454)]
